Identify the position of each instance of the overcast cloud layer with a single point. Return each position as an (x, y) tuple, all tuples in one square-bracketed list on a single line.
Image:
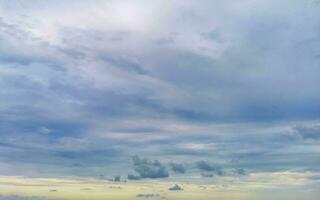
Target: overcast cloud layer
[(229, 85)]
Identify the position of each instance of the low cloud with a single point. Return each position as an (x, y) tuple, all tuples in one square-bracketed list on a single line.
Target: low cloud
[(208, 167), (133, 177), (176, 187), (207, 175), (240, 171), (149, 169), (178, 168), (117, 179)]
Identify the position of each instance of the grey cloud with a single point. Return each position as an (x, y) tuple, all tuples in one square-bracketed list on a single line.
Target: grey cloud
[(207, 175), (149, 169), (176, 187), (131, 66), (205, 166), (308, 131), (19, 47), (212, 35), (69, 79), (133, 177), (208, 167), (239, 171), (314, 177), (178, 167), (117, 179)]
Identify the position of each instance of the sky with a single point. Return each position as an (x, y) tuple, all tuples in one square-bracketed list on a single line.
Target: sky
[(160, 89)]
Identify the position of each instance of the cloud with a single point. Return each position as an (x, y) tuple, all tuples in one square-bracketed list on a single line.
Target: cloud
[(117, 179), (176, 187), (207, 175), (237, 80), (149, 169), (133, 177), (178, 167), (240, 171), (205, 166), (311, 132), (45, 130), (208, 167), (315, 177)]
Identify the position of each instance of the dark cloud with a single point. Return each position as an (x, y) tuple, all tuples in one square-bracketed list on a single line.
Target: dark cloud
[(133, 177), (149, 169), (208, 167), (178, 167), (308, 131), (117, 179), (205, 166), (176, 187), (207, 175), (239, 171)]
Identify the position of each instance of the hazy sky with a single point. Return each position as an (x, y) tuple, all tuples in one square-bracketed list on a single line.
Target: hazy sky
[(218, 87)]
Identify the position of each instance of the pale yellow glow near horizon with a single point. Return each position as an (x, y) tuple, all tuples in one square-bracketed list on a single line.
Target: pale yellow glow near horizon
[(81, 188)]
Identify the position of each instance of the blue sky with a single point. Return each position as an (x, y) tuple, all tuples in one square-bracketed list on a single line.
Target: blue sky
[(208, 85)]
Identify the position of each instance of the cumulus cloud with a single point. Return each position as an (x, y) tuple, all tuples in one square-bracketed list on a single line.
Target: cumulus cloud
[(133, 177), (208, 167), (178, 167), (149, 169), (117, 179), (240, 171)]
